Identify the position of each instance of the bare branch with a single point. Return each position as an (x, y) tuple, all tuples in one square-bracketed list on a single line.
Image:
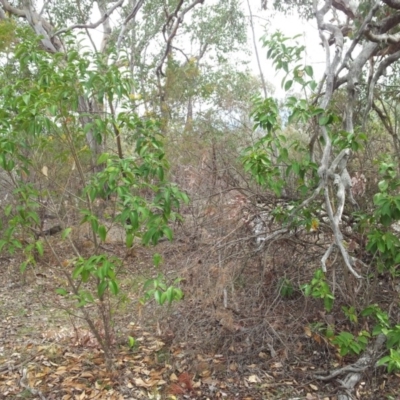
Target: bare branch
[(13, 10), (345, 6), (382, 37), (379, 72), (359, 35), (264, 86), (125, 23), (174, 30), (393, 3), (389, 22), (91, 26), (335, 171), (45, 5)]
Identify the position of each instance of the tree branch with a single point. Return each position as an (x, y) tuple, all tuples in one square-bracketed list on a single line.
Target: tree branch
[(379, 72), (13, 10), (125, 23), (382, 37), (174, 30), (90, 26), (393, 3)]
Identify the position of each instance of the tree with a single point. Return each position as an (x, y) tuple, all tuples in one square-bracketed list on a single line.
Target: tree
[(69, 113), (370, 31)]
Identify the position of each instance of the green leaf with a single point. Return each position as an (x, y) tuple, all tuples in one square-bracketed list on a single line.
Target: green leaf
[(168, 233), (383, 185), (65, 233), (102, 231), (23, 266), (95, 224), (169, 295), (26, 98), (61, 291), (113, 287), (101, 288), (288, 85), (39, 247), (323, 120), (7, 210), (157, 296), (178, 294), (129, 240), (103, 158), (131, 341), (309, 70), (157, 258)]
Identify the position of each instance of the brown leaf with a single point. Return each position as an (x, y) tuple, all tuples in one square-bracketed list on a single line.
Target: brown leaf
[(141, 383)]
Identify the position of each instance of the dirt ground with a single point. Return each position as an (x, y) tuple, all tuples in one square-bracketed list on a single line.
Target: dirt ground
[(234, 336)]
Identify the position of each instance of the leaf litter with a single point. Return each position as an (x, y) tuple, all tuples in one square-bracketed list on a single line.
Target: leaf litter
[(43, 357)]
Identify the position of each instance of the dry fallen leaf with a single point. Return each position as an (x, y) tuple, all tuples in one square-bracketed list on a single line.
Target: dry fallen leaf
[(313, 387), (233, 367), (307, 331), (141, 383), (254, 379)]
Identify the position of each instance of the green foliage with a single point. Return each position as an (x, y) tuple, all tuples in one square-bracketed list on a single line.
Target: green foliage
[(392, 361), (380, 316), (319, 289), (270, 156), (23, 223), (387, 211), (345, 140), (43, 109), (131, 342), (286, 288), (301, 8), (349, 344), (301, 110), (392, 333), (7, 34), (129, 177), (97, 269), (284, 55), (350, 313), (221, 25), (156, 288), (260, 158)]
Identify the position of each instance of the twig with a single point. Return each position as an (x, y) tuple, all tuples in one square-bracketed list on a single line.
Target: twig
[(7, 367)]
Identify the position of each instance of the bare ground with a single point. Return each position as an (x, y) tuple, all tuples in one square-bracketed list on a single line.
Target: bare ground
[(234, 336)]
